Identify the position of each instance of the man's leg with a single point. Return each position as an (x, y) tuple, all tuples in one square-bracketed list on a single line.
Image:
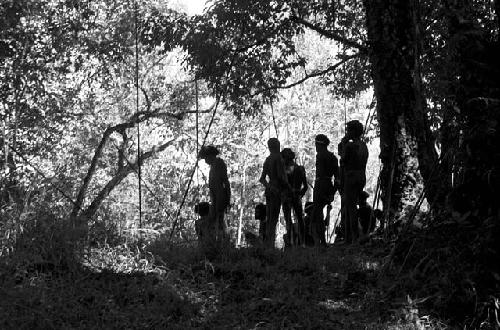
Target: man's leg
[(354, 184), (351, 215), (212, 226), (346, 230), (221, 226), (262, 229), (274, 206), (317, 223), (287, 213), (299, 215)]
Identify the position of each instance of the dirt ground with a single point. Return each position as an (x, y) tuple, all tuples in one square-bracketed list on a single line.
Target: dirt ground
[(125, 287)]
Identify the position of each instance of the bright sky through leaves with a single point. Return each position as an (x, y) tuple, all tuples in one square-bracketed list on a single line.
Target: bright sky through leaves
[(193, 7)]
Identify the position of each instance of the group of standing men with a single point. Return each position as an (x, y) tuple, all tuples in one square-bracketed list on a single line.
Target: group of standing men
[(285, 184)]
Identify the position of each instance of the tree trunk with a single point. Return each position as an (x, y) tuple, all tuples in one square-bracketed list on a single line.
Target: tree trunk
[(81, 215), (392, 33)]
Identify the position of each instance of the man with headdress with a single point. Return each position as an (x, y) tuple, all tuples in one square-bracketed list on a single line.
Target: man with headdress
[(354, 158), (220, 190), (274, 179), (324, 190)]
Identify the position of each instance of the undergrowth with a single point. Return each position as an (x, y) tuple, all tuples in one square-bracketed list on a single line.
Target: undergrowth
[(55, 279), (452, 269)]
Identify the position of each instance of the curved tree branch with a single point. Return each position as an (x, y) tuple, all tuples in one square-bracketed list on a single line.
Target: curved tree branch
[(313, 74), (121, 174), (330, 34)]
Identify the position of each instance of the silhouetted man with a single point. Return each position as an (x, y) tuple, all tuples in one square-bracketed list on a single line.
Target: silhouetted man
[(296, 176), (274, 179), (324, 190), (354, 159), (220, 190)]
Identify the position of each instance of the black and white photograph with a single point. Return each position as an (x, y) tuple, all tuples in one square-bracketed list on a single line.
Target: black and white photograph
[(250, 164)]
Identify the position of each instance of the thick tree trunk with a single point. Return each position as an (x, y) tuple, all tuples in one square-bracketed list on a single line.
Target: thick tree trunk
[(417, 121), (392, 34)]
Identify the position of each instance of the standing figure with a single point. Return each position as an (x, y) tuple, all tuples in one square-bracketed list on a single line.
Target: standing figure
[(220, 190), (354, 159), (274, 179), (324, 191), (296, 176)]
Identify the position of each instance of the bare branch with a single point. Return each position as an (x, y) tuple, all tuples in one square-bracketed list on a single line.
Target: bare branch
[(146, 97), (119, 176), (259, 42), (154, 150), (162, 115), (329, 34), (313, 74), (91, 170)]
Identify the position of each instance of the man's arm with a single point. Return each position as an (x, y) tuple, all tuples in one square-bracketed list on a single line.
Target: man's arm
[(265, 171), (226, 184), (365, 155)]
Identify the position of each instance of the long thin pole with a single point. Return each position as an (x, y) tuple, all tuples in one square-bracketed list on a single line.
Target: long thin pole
[(197, 126), (137, 110), (345, 116), (274, 119), (243, 187)]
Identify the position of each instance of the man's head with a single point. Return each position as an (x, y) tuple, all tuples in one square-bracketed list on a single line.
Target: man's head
[(202, 209), (287, 154), (273, 144), (321, 142), (208, 153), (354, 129), (260, 211)]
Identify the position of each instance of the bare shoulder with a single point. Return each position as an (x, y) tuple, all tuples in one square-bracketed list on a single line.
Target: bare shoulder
[(220, 164)]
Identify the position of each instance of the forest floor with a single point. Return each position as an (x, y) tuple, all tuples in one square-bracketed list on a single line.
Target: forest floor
[(160, 287)]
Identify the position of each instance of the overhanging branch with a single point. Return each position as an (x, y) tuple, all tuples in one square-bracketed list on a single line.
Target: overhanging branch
[(329, 34), (316, 73)]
